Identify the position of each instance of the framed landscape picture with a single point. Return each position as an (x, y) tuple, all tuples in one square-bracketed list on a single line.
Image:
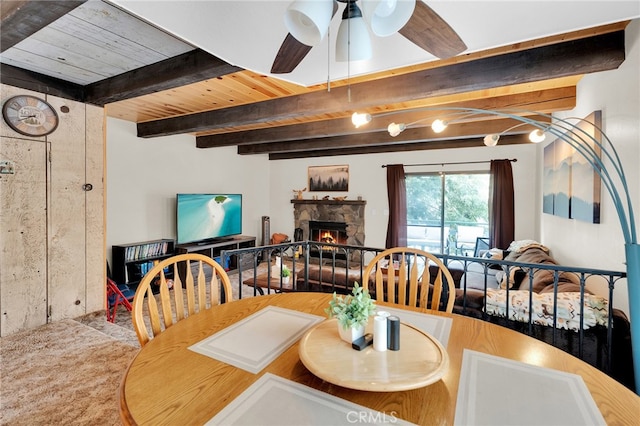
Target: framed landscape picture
[(585, 181), (329, 178), (571, 186)]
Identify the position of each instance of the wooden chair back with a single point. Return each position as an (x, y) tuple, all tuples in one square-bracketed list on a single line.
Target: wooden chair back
[(409, 281), (157, 307)]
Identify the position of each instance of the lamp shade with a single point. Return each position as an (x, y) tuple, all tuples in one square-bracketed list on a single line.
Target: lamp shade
[(537, 136), (395, 129), (308, 20), (491, 140), (360, 119), (387, 17), (359, 39), (438, 125)]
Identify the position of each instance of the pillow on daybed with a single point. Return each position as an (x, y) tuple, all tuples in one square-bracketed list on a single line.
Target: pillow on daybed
[(542, 278), (596, 308)]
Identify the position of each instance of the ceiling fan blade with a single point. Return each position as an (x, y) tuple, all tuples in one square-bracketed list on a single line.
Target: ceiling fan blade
[(429, 31), (291, 53)]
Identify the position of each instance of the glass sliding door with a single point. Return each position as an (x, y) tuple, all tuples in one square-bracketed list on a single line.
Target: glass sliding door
[(446, 213)]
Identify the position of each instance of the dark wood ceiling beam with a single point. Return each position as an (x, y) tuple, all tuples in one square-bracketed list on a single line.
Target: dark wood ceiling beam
[(418, 146), (591, 54), (20, 19), (475, 129), (547, 101), (37, 82), (190, 67)]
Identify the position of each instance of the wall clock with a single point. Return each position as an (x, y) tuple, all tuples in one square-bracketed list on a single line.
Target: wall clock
[(29, 115)]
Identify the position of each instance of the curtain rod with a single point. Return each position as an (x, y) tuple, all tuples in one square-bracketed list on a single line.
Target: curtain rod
[(447, 164)]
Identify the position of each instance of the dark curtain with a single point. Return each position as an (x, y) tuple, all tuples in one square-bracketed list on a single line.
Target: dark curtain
[(397, 194), (501, 205)]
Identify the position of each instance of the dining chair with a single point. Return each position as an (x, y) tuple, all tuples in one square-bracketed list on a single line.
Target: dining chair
[(406, 276), (169, 293)]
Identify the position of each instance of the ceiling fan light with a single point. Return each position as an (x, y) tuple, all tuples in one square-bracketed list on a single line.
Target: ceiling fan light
[(395, 129), (387, 17), (537, 136), (353, 30), (438, 125), (308, 20), (360, 119), (491, 140)]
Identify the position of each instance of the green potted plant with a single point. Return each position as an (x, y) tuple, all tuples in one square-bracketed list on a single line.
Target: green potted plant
[(352, 312), (286, 274)]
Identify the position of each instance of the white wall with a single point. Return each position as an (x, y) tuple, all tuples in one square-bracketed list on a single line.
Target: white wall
[(368, 179), (617, 94), (144, 176)]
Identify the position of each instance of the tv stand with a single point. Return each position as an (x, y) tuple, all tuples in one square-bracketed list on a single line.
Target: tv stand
[(213, 248), (210, 241)]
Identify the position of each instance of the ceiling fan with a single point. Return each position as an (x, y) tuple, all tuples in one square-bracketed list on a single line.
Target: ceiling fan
[(309, 20)]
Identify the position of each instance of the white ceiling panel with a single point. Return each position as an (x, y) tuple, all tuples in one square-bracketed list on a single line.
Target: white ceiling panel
[(248, 33)]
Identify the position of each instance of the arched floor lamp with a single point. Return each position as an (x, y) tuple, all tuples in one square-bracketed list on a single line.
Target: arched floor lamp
[(612, 175)]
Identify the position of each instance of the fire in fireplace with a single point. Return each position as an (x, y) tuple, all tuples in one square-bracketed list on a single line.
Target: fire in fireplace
[(328, 232)]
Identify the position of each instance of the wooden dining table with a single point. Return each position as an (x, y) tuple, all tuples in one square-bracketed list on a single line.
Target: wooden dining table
[(167, 383)]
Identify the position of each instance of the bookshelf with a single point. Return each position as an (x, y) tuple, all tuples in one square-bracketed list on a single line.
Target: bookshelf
[(132, 261)]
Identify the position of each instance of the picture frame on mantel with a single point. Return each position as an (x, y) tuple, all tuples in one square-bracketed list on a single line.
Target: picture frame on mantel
[(328, 178)]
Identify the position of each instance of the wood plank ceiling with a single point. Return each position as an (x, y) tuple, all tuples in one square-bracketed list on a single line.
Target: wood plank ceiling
[(190, 91)]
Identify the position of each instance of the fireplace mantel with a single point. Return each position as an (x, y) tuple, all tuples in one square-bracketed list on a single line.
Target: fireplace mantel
[(328, 202)]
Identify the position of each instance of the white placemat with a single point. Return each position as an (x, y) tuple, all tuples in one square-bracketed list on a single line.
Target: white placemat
[(273, 400), (435, 325), (499, 391), (251, 344)]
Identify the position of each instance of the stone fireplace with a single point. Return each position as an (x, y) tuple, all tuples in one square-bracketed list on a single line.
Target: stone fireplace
[(348, 213)]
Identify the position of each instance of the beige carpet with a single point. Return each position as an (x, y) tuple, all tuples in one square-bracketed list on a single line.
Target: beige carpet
[(68, 372), (64, 373)]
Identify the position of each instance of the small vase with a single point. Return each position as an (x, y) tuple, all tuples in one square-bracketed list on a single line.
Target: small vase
[(351, 333), (285, 280)]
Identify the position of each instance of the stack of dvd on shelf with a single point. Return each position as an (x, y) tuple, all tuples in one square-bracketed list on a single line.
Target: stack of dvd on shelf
[(144, 251)]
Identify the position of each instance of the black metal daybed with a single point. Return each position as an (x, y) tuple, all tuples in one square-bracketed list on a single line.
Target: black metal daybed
[(564, 314)]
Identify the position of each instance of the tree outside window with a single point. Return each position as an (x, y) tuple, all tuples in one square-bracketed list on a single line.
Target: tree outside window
[(447, 212)]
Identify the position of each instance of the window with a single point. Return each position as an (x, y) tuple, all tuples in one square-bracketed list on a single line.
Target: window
[(447, 212)]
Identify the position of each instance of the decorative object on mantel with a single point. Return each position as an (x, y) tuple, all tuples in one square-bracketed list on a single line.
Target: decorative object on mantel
[(327, 200), (298, 193), (352, 312), (329, 178), (340, 198)]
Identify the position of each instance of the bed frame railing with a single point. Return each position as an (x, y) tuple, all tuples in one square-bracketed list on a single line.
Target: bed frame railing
[(300, 255), (335, 257), (585, 276)]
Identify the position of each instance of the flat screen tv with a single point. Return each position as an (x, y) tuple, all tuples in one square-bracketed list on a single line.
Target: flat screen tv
[(207, 217)]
